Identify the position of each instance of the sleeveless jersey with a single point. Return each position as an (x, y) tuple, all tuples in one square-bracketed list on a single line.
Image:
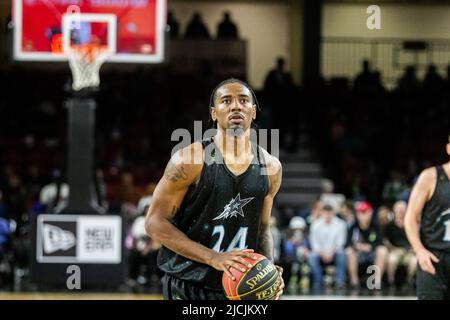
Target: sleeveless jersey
[(435, 224), (223, 213)]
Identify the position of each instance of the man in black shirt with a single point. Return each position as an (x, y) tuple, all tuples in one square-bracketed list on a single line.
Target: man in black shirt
[(212, 207), (365, 245)]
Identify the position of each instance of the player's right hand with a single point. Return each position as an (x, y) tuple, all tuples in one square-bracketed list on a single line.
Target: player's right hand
[(425, 259), (224, 261)]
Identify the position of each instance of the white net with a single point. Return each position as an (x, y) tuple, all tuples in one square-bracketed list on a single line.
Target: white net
[(85, 63)]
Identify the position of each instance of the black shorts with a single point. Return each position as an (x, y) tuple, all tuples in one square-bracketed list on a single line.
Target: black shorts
[(176, 289), (435, 287)]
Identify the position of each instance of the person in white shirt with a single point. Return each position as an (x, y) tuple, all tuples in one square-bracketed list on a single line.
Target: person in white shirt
[(328, 236)]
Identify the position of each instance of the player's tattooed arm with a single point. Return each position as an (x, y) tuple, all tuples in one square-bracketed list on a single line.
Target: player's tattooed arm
[(180, 174)]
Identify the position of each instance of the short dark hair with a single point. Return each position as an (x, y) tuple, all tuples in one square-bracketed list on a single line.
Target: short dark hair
[(228, 81)]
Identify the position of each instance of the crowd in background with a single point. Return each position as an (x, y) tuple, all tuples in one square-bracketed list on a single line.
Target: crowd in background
[(354, 246), (197, 29)]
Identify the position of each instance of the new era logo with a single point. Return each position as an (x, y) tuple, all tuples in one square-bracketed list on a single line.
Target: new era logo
[(56, 239)]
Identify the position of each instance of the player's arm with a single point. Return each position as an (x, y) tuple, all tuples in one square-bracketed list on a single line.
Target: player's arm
[(181, 172), (420, 194), (265, 241)]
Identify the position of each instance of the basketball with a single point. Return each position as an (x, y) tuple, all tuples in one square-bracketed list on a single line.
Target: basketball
[(260, 282)]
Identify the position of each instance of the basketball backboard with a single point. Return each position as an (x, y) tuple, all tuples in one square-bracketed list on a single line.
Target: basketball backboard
[(132, 29)]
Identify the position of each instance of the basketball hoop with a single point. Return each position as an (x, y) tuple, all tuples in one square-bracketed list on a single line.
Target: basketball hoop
[(85, 62)]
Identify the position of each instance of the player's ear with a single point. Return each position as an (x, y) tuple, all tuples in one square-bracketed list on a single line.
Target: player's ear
[(212, 112)]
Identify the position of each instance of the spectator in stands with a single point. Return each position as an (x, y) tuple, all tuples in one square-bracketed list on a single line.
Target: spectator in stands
[(226, 28), (383, 218), (364, 245), (143, 255), (128, 192), (400, 253), (54, 195), (408, 82), (314, 212), (327, 186), (394, 187), (377, 82), (294, 250), (433, 82), (196, 28), (347, 214), (364, 79), (174, 25), (142, 249), (328, 237)]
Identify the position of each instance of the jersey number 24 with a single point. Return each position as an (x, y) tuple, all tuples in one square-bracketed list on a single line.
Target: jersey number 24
[(238, 242)]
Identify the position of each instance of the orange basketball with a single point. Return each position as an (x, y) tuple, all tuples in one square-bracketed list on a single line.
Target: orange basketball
[(260, 282)]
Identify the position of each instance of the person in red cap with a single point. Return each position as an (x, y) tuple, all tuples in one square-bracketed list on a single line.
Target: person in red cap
[(365, 246), (427, 226)]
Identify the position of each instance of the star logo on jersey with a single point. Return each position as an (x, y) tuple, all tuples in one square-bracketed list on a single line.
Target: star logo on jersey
[(234, 207)]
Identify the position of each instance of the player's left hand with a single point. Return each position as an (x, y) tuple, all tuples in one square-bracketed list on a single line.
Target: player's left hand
[(281, 287)]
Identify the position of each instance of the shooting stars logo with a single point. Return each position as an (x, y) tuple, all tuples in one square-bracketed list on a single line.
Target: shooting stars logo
[(234, 207)]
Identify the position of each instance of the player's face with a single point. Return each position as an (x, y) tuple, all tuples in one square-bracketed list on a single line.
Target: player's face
[(448, 148), (233, 107)]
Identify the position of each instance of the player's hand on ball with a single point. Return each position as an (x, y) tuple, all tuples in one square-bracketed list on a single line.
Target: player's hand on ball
[(281, 287), (223, 261), (425, 258)]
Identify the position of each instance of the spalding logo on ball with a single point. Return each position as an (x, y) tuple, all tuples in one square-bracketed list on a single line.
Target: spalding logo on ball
[(260, 282)]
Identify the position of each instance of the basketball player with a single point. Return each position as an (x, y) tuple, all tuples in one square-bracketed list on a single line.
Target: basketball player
[(427, 225), (212, 207)]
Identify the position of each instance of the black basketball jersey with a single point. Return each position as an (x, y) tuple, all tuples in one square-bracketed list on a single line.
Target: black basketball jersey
[(223, 213), (435, 224)]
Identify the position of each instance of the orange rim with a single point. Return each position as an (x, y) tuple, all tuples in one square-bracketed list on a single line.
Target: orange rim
[(89, 51)]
